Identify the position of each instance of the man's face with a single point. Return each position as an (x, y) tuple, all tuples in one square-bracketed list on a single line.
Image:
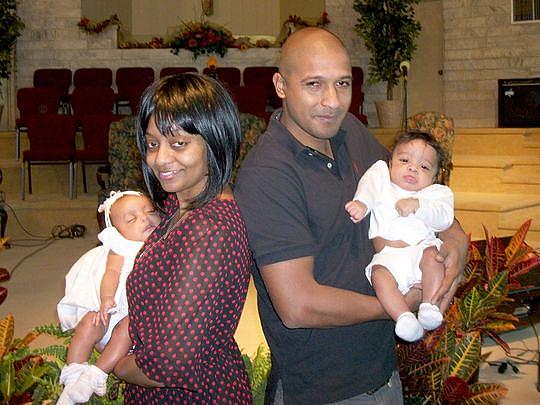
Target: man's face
[(316, 94)]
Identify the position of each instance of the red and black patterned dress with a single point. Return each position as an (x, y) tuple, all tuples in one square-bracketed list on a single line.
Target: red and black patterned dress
[(186, 293)]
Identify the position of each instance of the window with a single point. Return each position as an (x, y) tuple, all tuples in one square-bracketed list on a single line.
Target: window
[(525, 10)]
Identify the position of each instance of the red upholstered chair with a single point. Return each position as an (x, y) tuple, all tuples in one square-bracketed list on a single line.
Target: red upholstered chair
[(59, 78), (31, 101), (93, 77), (92, 100), (52, 142), (229, 76), (168, 71), (262, 76), (95, 133), (131, 82), (251, 99), (357, 101)]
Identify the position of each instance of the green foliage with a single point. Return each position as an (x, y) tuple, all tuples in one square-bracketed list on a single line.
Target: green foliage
[(389, 31), (28, 374), (11, 27), (443, 367), (21, 368), (257, 370)]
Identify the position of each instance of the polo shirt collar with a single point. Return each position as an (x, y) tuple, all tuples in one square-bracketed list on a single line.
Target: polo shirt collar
[(285, 136)]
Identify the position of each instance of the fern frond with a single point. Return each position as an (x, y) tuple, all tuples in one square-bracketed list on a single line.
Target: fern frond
[(57, 352), (53, 329)]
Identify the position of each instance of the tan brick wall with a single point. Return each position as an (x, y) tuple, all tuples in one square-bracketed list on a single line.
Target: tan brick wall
[(480, 46)]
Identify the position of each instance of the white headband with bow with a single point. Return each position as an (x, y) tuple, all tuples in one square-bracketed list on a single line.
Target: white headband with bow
[(108, 203)]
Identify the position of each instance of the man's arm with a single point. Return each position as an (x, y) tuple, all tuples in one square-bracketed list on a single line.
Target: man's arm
[(453, 254), (301, 302)]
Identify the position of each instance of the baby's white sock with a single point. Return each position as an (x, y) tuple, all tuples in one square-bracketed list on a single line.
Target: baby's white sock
[(92, 380), (429, 316), (408, 328)]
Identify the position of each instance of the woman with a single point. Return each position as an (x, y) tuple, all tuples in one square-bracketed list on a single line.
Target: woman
[(190, 279)]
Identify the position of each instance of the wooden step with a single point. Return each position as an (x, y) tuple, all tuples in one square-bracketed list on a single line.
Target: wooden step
[(495, 141), (495, 161), (501, 214), (513, 180)]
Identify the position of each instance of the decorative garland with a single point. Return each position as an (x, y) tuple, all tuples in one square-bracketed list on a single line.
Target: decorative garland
[(203, 37), (96, 27)]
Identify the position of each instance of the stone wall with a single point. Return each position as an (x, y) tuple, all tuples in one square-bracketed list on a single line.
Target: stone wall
[(480, 46)]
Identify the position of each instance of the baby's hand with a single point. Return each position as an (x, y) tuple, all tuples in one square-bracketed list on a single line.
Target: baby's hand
[(356, 209), (103, 315), (407, 206)]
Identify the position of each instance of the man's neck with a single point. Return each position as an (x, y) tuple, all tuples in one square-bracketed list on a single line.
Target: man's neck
[(322, 146)]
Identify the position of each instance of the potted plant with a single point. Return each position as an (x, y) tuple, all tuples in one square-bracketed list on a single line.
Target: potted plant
[(11, 27), (389, 30), (443, 367)]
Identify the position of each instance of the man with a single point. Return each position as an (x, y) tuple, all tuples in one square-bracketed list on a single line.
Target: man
[(329, 336)]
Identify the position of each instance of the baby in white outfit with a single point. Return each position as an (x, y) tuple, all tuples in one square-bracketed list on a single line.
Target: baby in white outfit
[(95, 304), (407, 209)]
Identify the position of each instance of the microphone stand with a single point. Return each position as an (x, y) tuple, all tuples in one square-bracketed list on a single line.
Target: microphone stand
[(404, 72)]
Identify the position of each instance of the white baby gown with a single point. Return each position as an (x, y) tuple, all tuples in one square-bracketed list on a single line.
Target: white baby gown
[(84, 279), (435, 214)]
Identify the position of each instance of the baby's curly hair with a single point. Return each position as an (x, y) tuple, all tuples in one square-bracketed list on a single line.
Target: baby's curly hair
[(413, 134)]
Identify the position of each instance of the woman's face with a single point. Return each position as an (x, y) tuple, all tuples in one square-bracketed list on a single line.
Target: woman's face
[(179, 161)]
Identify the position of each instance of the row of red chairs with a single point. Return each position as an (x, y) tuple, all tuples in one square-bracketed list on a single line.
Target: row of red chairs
[(252, 89), (52, 141)]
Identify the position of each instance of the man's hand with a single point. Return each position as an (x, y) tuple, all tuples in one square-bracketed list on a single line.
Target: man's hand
[(453, 254), (356, 209), (407, 206)]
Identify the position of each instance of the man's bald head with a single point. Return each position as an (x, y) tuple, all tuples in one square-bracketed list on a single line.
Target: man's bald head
[(307, 43)]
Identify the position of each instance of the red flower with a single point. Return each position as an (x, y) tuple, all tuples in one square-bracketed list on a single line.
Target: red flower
[(192, 43)]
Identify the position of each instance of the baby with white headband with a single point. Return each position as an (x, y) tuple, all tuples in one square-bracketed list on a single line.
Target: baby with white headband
[(95, 304)]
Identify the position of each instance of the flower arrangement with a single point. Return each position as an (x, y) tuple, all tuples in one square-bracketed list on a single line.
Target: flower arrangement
[(96, 27), (202, 38)]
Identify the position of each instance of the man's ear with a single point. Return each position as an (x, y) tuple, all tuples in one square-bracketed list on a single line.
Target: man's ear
[(279, 84)]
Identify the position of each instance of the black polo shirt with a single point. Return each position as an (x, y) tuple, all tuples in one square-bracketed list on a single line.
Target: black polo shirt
[(293, 199)]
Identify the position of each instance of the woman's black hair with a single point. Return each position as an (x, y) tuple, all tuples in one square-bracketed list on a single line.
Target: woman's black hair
[(197, 104), (413, 134)]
